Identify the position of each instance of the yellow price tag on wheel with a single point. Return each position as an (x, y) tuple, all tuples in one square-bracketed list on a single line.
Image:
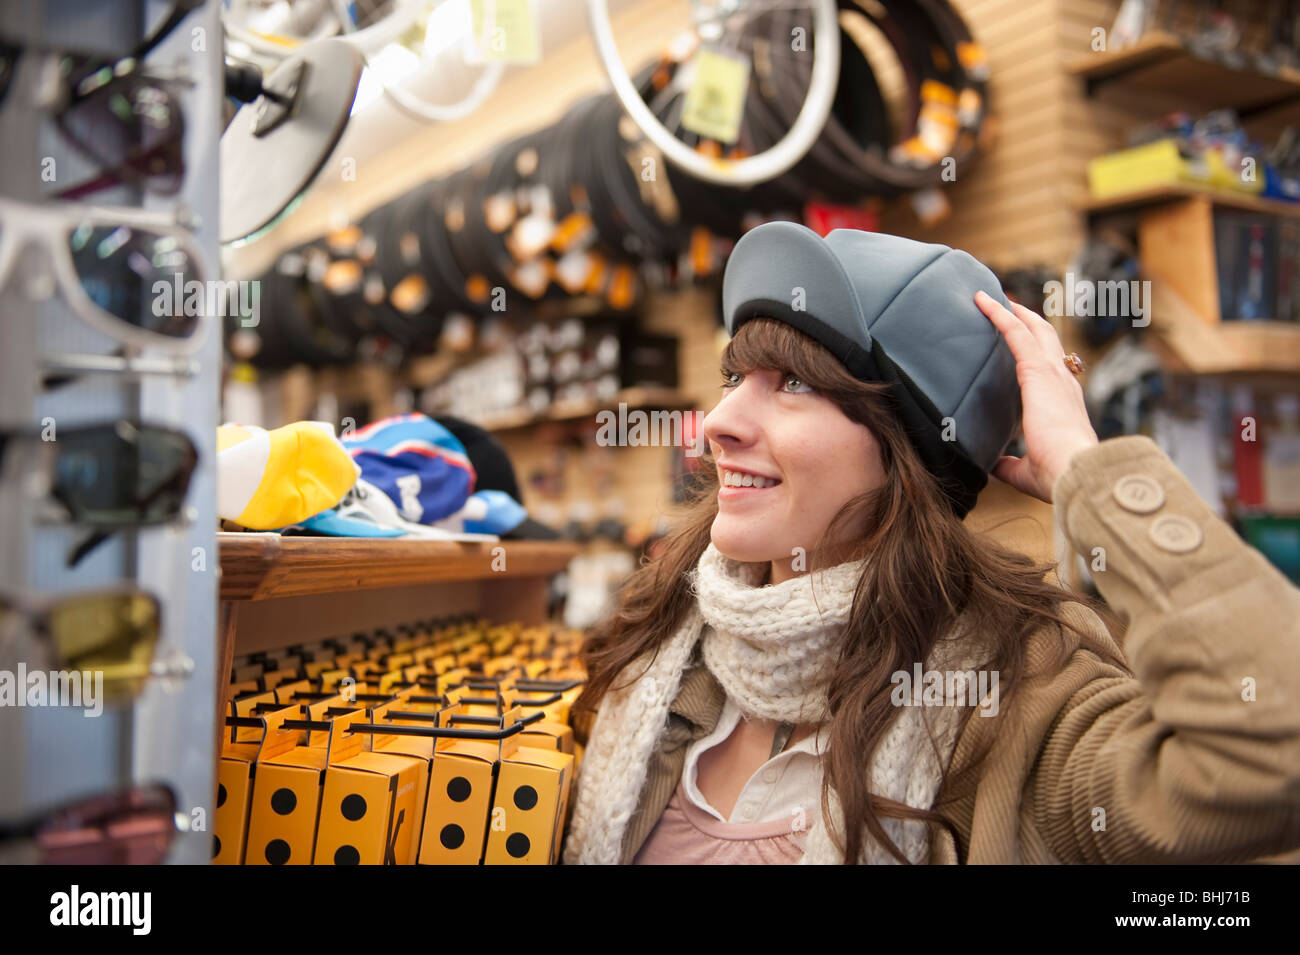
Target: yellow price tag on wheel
[(715, 102), (505, 30)]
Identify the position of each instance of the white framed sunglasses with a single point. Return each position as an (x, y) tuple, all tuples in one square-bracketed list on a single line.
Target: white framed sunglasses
[(119, 269)]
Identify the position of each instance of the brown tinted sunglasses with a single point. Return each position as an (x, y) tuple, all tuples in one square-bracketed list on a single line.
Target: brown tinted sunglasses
[(134, 826)]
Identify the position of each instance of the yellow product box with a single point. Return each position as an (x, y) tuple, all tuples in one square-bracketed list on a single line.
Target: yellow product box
[(368, 803), (388, 681), (1161, 164), (499, 664), (482, 709), (287, 692), (459, 802), (416, 747), (283, 660), (315, 668), (529, 806), (234, 790), (320, 712), (247, 672), (330, 679), (544, 735), (274, 678), (475, 654), (286, 797), (451, 678), (555, 710), (239, 752), (363, 669), (396, 661)]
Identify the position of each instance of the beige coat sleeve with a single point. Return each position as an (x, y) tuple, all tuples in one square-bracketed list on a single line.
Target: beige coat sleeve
[(1196, 757)]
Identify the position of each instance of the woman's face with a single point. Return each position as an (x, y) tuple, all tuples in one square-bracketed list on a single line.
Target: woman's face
[(810, 460)]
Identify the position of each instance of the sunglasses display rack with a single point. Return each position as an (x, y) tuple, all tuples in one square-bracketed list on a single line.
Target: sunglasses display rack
[(109, 129)]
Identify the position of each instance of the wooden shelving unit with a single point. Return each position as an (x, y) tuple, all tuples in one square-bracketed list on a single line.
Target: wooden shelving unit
[(1219, 197), (1175, 223), (1176, 247), (1161, 63), (277, 591), (267, 566)]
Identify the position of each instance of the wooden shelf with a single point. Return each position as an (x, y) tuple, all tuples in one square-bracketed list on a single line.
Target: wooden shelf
[(264, 566), (1219, 197), (1190, 342), (634, 398), (1161, 63)]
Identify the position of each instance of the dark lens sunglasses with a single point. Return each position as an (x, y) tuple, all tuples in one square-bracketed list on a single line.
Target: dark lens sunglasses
[(119, 114), (135, 826), (110, 476), (109, 264)]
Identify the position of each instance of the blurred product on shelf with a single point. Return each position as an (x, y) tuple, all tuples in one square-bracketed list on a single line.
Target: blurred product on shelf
[(402, 476), (1246, 255), (593, 581), (402, 746), (1121, 386), (496, 506), (1282, 456), (270, 479), (1213, 151), (415, 462), (553, 368), (1108, 260), (1027, 284)]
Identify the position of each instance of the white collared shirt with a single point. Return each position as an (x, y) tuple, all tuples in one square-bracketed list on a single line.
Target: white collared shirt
[(786, 785)]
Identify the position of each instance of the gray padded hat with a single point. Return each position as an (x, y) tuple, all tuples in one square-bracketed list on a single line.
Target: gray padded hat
[(896, 311)]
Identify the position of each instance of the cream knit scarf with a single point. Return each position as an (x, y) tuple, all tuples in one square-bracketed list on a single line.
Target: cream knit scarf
[(772, 648)]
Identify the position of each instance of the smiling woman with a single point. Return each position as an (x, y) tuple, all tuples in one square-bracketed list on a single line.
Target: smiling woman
[(779, 417), (743, 692), (850, 485)]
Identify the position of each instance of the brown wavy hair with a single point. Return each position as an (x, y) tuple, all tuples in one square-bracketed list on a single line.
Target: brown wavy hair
[(929, 569)]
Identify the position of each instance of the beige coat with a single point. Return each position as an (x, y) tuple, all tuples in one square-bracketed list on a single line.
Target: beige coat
[(1192, 754)]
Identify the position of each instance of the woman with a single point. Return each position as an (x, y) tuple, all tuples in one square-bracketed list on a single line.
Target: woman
[(823, 641)]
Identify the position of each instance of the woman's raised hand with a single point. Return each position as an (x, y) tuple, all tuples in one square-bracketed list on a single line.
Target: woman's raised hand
[(1056, 424)]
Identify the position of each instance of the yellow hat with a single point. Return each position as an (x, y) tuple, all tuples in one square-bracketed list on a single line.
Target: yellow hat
[(271, 479)]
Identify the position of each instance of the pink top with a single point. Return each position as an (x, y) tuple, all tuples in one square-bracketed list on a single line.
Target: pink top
[(687, 835)]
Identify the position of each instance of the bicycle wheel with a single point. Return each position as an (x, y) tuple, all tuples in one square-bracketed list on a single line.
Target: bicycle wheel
[(714, 23)]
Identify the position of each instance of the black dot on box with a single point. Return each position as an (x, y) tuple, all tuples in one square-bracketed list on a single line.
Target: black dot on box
[(354, 807), (347, 855), (452, 836), (277, 852), (221, 795), (525, 797), (517, 845), (283, 801), (458, 789), (216, 846)]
